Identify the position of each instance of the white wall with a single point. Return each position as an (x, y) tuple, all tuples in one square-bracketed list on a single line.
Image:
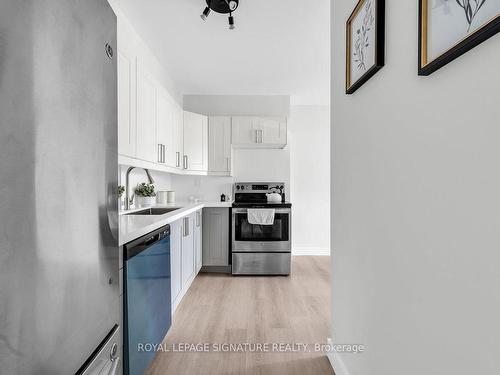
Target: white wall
[(416, 219), (309, 139), (206, 188), (263, 165)]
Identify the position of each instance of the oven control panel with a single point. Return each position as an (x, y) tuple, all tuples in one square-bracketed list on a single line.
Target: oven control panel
[(252, 187)]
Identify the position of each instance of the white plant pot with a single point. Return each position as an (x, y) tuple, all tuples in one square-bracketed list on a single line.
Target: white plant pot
[(146, 201)]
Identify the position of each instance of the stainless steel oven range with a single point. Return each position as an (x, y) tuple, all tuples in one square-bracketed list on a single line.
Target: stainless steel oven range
[(261, 248)]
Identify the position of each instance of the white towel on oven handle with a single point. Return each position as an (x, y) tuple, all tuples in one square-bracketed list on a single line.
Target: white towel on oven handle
[(261, 216)]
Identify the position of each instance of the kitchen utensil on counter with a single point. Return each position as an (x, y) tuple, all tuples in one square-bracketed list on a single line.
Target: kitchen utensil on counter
[(274, 197), (162, 197), (171, 196), (223, 198)]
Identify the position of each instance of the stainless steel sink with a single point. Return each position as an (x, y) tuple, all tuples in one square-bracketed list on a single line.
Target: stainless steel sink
[(155, 211)]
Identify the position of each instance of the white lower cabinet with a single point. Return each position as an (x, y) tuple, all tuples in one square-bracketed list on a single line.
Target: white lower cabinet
[(176, 262), (185, 254), (188, 259)]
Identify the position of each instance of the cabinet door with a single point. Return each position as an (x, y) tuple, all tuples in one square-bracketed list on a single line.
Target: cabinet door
[(245, 130), (126, 120), (195, 142), (219, 144), (198, 239), (146, 125), (215, 237), (274, 130), (164, 127), (178, 136), (188, 256), (176, 259)]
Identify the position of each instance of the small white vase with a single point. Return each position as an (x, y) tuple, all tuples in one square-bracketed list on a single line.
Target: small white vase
[(146, 201)]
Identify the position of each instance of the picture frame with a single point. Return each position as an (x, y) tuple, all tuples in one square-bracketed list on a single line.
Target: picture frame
[(441, 39), (365, 43)]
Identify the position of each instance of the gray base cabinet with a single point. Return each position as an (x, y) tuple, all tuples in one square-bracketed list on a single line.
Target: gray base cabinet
[(215, 237)]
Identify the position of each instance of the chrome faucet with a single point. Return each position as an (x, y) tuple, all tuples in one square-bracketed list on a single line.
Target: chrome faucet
[(128, 199)]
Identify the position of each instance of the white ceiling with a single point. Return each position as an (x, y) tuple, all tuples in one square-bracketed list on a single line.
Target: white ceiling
[(278, 46)]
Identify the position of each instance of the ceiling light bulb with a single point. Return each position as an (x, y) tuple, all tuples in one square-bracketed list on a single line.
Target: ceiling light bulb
[(231, 23), (205, 14), (232, 5)]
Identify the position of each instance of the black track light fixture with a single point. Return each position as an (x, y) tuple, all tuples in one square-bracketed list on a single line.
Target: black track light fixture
[(223, 7), (205, 14)]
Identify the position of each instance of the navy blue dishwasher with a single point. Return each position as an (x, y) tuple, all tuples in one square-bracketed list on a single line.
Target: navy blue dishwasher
[(147, 304)]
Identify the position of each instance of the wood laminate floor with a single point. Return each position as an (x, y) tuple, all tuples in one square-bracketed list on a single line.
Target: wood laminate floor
[(221, 309)]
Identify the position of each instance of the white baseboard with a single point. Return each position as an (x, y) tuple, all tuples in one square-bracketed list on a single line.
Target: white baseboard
[(336, 361), (313, 251)]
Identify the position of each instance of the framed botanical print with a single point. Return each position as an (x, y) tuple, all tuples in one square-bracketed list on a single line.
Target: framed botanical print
[(449, 28), (365, 44)]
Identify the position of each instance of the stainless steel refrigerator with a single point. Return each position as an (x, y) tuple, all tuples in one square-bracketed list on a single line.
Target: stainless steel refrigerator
[(59, 286)]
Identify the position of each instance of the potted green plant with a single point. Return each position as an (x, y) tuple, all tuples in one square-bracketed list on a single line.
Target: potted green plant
[(145, 195), (121, 197)]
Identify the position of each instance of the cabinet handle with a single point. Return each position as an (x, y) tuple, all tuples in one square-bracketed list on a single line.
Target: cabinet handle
[(164, 154), (185, 162), (159, 153), (197, 219), (227, 165), (177, 159), (186, 226)]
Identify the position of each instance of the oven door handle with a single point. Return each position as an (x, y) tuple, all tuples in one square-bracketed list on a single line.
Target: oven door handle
[(278, 210)]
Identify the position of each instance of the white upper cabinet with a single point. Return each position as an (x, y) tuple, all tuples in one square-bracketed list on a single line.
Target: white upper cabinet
[(126, 116), (245, 130), (195, 142), (147, 148), (274, 131), (219, 146), (259, 132), (178, 143), (165, 127)]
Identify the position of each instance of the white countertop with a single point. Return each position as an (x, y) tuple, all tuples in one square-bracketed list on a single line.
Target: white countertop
[(135, 226)]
